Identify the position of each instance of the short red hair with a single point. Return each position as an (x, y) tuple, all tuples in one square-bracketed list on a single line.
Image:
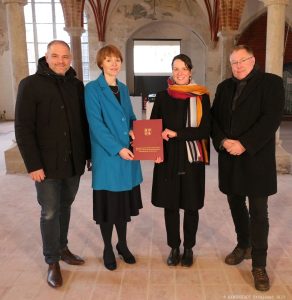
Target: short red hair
[(107, 51)]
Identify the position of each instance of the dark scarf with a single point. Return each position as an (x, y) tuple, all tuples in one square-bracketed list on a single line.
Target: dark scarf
[(241, 84)]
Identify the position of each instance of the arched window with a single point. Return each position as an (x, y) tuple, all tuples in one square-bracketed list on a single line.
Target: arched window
[(44, 22)]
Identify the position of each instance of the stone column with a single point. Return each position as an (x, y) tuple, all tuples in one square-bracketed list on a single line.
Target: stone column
[(274, 63), (17, 43), (75, 38), (226, 43), (94, 46), (19, 69)]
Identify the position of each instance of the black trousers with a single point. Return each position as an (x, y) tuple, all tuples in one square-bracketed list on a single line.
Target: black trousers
[(251, 225), (190, 227)]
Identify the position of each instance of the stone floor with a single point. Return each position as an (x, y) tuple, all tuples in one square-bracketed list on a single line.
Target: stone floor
[(23, 272)]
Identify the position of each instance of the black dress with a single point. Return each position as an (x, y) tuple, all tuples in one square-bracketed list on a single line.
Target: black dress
[(116, 207), (176, 182)]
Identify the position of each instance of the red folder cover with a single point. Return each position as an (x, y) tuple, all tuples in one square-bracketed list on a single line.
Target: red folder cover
[(148, 143)]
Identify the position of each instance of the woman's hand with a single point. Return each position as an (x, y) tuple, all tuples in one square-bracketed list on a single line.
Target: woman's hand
[(168, 134), (158, 160), (89, 165), (131, 134), (126, 154)]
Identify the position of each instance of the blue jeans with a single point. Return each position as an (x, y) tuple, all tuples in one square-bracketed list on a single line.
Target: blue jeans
[(55, 197)]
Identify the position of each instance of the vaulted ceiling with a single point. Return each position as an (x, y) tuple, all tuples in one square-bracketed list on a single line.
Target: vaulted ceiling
[(222, 14)]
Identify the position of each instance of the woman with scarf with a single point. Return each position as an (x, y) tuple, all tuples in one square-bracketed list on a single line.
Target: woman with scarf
[(179, 180)]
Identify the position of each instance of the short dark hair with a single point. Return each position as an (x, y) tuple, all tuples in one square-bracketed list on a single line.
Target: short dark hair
[(108, 50), (247, 48), (54, 42), (185, 59)]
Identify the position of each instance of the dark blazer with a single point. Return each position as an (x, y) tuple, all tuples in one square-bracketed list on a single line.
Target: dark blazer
[(50, 123), (169, 189), (254, 123)]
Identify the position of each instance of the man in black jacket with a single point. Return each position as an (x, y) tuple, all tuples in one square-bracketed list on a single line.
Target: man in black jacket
[(246, 113), (52, 134)]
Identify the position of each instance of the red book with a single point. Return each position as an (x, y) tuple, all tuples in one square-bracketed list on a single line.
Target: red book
[(148, 143)]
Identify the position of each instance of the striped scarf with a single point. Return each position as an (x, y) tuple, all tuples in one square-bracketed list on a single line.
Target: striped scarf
[(197, 150)]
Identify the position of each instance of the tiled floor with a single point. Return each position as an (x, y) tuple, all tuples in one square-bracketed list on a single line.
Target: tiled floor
[(23, 272)]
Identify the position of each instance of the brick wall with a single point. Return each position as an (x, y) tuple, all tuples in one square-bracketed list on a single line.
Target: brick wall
[(255, 37)]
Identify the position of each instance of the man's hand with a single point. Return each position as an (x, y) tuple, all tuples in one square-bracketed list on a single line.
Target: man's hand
[(38, 175), (233, 147), (227, 144), (126, 154)]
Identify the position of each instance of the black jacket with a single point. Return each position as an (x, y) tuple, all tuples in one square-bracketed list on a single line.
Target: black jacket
[(253, 122), (169, 189), (50, 123)]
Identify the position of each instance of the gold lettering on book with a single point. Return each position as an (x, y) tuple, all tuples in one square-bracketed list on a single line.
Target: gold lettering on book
[(147, 149), (147, 131)]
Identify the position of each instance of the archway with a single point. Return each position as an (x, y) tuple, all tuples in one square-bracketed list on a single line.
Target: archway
[(191, 44)]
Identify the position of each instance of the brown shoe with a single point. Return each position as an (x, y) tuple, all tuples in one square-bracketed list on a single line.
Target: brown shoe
[(54, 275), (261, 279), (71, 258), (238, 255)]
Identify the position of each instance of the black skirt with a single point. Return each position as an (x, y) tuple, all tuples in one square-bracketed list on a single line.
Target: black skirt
[(116, 207)]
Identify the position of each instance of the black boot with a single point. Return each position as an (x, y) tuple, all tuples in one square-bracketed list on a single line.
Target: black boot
[(109, 259), (126, 254), (187, 258), (174, 257)]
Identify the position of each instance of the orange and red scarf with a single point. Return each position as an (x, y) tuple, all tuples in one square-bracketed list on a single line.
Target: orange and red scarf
[(197, 150)]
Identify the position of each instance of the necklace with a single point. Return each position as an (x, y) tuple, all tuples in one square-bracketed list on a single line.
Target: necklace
[(115, 89)]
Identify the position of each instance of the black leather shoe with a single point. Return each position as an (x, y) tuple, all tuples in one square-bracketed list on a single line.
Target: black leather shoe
[(126, 255), (174, 257), (238, 255), (261, 279), (109, 259), (187, 258), (71, 258), (54, 275)]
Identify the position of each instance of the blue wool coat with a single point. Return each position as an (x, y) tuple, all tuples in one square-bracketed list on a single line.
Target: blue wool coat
[(109, 126)]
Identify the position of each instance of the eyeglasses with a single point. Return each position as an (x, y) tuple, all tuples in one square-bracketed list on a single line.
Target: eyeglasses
[(238, 62)]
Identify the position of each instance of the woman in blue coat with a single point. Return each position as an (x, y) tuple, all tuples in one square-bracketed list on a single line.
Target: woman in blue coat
[(116, 177)]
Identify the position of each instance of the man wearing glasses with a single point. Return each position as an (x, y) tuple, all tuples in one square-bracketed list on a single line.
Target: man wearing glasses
[(246, 112)]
